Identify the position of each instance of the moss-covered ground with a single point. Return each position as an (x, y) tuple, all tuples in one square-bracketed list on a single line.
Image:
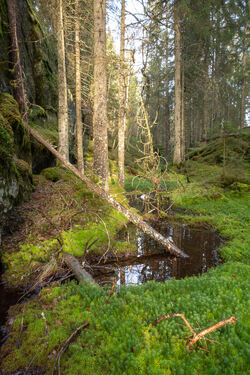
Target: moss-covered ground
[(121, 337)]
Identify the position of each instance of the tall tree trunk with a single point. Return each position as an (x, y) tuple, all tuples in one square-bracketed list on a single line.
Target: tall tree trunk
[(244, 83), (167, 123), (177, 89), (205, 104), (63, 142), (100, 94), (182, 105), (122, 99), (78, 90), (20, 92)]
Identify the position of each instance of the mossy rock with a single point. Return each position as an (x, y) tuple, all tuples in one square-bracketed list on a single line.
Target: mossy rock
[(53, 174)]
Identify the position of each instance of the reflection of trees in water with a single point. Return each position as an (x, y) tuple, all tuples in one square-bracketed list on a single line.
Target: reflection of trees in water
[(201, 245)]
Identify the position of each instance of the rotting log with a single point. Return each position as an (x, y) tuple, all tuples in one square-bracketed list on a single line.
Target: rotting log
[(80, 273), (146, 228)]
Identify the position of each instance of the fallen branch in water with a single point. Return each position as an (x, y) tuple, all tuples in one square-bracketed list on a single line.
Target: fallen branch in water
[(80, 274), (65, 346), (146, 228), (201, 334)]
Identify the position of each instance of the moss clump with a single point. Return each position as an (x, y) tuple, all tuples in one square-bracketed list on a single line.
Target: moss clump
[(22, 264), (53, 174), (6, 142)]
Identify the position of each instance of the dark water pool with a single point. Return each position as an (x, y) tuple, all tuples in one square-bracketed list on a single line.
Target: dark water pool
[(151, 262)]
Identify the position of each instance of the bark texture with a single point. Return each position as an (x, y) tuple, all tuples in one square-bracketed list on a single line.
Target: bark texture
[(63, 141), (177, 87), (122, 100), (171, 248), (78, 90), (80, 273), (100, 94), (12, 7)]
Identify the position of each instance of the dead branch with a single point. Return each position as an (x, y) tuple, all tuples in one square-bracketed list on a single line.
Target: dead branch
[(210, 329), (173, 315), (113, 286), (65, 346), (201, 334), (80, 274)]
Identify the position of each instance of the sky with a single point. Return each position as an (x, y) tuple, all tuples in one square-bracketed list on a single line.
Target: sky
[(133, 30)]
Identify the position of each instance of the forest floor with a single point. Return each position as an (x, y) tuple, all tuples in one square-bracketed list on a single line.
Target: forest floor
[(117, 334)]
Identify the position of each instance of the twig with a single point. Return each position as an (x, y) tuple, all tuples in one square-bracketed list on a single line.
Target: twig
[(113, 286), (65, 346), (173, 315), (20, 331), (201, 334), (210, 329)]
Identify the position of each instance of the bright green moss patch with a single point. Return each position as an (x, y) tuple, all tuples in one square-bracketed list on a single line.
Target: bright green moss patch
[(121, 339), (29, 257), (53, 174)]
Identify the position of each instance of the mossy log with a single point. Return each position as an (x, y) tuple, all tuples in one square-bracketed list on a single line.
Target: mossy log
[(146, 228), (80, 274)]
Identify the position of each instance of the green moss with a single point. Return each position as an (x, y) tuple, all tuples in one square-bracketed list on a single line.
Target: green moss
[(121, 339), (6, 141), (52, 174), (37, 112), (30, 256)]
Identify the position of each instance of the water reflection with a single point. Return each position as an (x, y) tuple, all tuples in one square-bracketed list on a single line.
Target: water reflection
[(151, 262)]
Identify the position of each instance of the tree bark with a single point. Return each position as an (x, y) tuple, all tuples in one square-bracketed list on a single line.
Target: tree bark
[(177, 87), (63, 146), (118, 206), (122, 100), (100, 94), (244, 83), (20, 92), (78, 90), (167, 124), (80, 274), (182, 105)]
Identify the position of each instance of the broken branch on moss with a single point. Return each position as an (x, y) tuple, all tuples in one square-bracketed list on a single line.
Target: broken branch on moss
[(201, 334)]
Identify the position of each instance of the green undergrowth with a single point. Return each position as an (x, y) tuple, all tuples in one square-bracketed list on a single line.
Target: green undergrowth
[(121, 337), (228, 212), (83, 223)]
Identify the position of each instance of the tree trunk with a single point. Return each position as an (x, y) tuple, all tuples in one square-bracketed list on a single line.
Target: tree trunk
[(182, 106), (122, 100), (63, 142), (177, 87), (205, 104), (100, 94), (167, 123), (80, 274), (244, 84), (20, 92), (118, 206), (78, 91)]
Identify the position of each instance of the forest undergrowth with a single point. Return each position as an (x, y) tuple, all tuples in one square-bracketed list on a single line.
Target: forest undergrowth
[(118, 335)]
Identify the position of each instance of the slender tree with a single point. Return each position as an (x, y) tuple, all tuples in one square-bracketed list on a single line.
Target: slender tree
[(122, 99), (20, 93), (78, 90), (63, 147), (100, 93), (177, 89)]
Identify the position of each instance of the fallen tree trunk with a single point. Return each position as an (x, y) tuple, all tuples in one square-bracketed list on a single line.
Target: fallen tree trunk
[(118, 206), (80, 274)]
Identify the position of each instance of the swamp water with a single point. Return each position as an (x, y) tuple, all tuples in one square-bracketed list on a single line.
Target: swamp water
[(152, 262)]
